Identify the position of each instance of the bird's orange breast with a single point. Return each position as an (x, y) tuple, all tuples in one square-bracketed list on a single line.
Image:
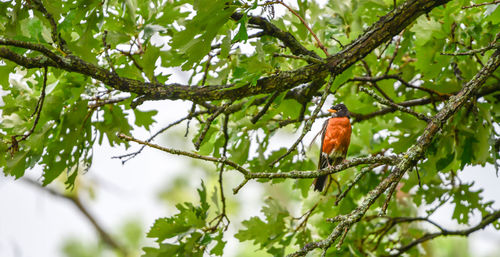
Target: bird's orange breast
[(337, 135)]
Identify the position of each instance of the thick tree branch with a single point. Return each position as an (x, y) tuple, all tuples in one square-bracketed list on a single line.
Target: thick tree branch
[(27, 62), (387, 27), (32, 46)]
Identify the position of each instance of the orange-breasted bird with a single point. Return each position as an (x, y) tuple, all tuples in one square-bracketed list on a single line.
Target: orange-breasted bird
[(335, 139)]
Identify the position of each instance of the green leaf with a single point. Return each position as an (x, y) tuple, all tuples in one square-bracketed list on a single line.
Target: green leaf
[(131, 7), (144, 118), (467, 153), (444, 162), (265, 233), (167, 228), (241, 148), (218, 249), (242, 35), (16, 165), (149, 60)]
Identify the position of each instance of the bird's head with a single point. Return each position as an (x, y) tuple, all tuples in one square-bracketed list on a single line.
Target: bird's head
[(339, 110)]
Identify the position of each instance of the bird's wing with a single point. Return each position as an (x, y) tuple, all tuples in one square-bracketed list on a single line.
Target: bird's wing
[(323, 157)]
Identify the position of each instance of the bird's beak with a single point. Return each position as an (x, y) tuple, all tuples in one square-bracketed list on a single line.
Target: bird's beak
[(332, 110)]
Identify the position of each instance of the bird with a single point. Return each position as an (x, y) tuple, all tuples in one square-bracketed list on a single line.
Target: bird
[(335, 140)]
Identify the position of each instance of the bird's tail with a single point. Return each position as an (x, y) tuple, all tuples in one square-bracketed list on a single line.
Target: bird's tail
[(319, 183)]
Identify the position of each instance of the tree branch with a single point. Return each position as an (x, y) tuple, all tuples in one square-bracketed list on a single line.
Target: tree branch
[(401, 80), (265, 108), (326, 171), (356, 179), (38, 111), (56, 37), (208, 122), (272, 30), (481, 50), (481, 4), (487, 220), (421, 101), (126, 157), (320, 45), (399, 107), (188, 154), (105, 236)]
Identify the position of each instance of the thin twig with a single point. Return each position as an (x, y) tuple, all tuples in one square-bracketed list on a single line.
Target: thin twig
[(134, 154), (265, 108), (193, 109), (56, 37), (38, 109), (305, 217), (237, 189), (224, 151), (398, 41), (320, 45), (341, 241), (338, 41), (188, 154), (208, 123), (258, 34), (283, 123), (351, 184), (374, 83), (392, 188), (402, 81), (102, 102), (399, 107), (481, 4), (486, 220), (222, 216), (207, 68), (106, 52), (475, 51), (308, 125), (306, 58), (418, 176)]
